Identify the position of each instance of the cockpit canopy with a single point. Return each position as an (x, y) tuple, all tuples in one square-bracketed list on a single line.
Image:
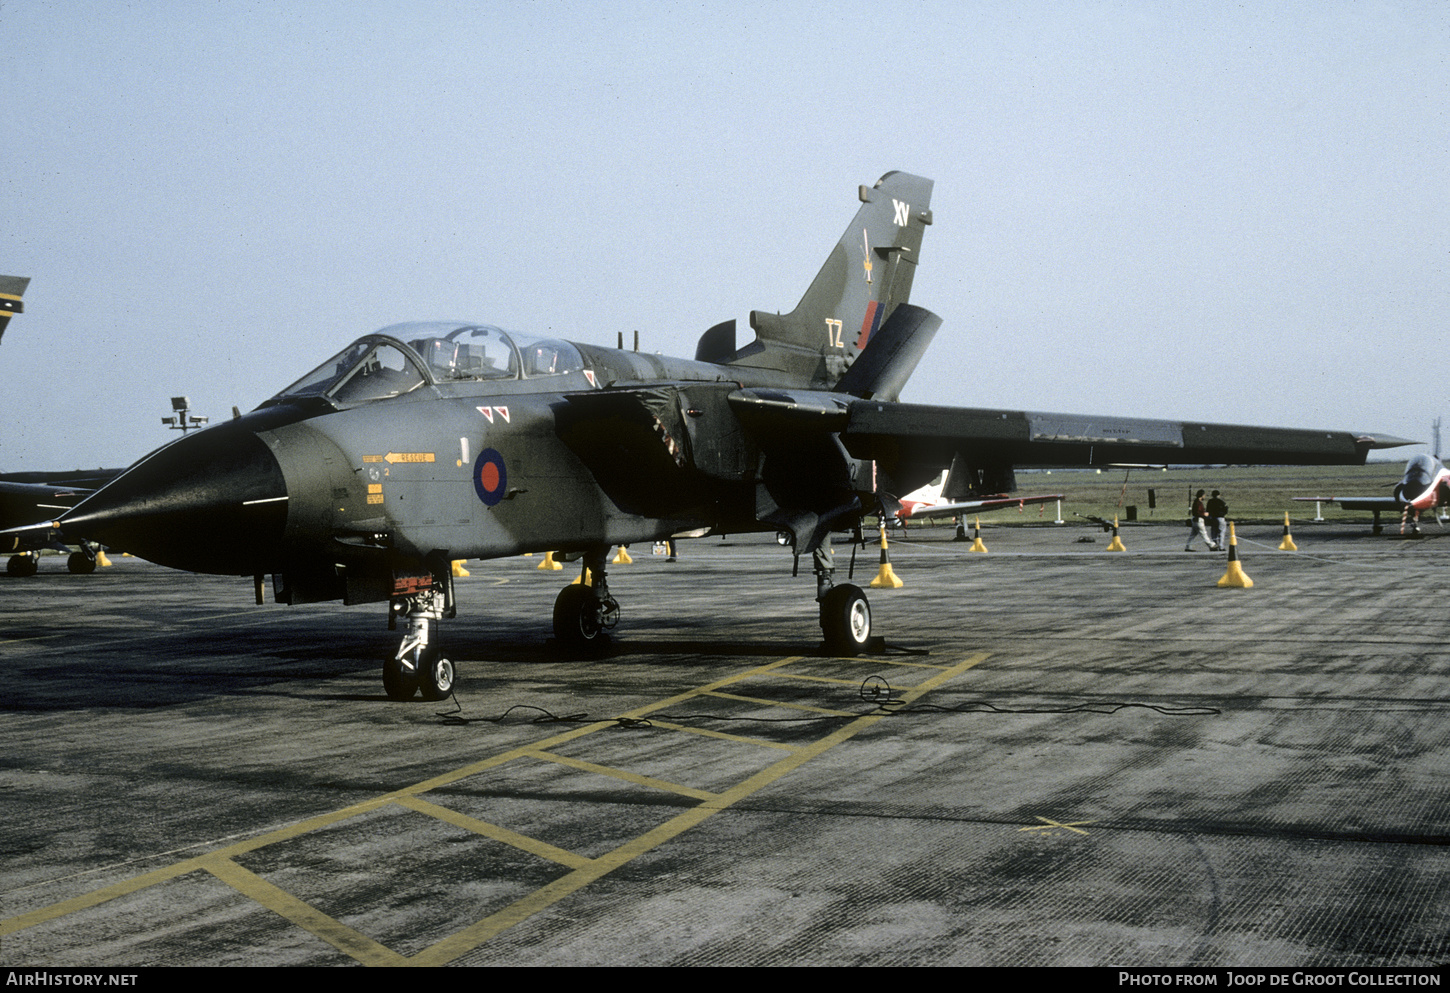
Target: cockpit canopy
[(403, 357), (1421, 471)]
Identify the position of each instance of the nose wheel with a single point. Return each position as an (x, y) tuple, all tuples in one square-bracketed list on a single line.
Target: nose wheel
[(435, 675), (419, 666)]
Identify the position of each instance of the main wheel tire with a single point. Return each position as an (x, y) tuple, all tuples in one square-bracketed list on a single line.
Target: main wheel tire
[(80, 563), (577, 619), (436, 675), (846, 620), (399, 683), (23, 565)]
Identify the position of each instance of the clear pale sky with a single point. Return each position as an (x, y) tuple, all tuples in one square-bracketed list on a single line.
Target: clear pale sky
[(1214, 211)]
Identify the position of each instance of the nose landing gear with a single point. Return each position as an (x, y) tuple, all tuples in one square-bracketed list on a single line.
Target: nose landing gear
[(419, 665)]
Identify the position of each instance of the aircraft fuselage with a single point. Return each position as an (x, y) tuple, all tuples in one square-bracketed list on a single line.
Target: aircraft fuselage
[(1426, 484), (334, 499)]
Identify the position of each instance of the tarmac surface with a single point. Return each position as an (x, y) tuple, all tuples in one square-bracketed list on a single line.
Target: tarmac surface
[(1089, 758)]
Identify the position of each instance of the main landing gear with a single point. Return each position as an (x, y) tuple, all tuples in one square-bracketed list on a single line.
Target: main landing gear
[(845, 612), (584, 612), (845, 620), (81, 563), (419, 665), (23, 565)]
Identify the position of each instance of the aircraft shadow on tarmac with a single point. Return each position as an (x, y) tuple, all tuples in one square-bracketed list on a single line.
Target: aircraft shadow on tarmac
[(177, 668)]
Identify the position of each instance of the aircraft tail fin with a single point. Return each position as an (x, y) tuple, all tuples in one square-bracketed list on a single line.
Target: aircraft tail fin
[(866, 277), (12, 288)]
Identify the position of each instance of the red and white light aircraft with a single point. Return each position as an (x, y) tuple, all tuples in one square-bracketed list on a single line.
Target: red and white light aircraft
[(1425, 486), (929, 501)]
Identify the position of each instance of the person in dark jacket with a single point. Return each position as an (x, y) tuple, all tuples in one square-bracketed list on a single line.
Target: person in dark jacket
[(1198, 524), (1217, 519)]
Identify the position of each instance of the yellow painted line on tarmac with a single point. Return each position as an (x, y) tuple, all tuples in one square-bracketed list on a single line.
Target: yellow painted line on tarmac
[(582, 872), (904, 664), (806, 678), (347, 940), (533, 846), (469, 938), (764, 701), (629, 777), (679, 698), (97, 897), (1048, 826), (743, 739)]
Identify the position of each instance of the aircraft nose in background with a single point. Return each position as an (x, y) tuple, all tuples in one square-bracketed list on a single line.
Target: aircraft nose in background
[(215, 501)]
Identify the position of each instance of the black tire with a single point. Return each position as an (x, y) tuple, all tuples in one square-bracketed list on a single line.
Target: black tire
[(22, 565), (577, 623), (399, 683), (436, 676), (80, 564), (846, 620)]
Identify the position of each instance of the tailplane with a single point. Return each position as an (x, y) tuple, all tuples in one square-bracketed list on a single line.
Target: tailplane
[(896, 348), (866, 277)]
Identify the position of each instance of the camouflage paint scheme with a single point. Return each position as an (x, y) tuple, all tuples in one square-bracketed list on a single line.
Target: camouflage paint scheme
[(366, 492)]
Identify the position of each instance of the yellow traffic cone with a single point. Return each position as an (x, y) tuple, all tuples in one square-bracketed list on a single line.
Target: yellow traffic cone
[(1116, 545), (622, 558), (1235, 575), (977, 545), (885, 578), (1287, 545), (101, 559), (586, 578), (458, 570), (549, 563)]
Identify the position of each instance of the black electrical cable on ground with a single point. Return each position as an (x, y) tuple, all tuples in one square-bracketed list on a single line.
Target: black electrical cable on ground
[(874, 690)]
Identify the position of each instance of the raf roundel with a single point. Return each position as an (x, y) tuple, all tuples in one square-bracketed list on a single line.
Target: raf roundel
[(490, 477)]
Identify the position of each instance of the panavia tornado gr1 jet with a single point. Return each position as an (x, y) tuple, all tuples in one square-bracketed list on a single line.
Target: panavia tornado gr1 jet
[(429, 442), (30, 496)]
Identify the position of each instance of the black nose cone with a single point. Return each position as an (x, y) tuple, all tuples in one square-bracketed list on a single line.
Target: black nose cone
[(214, 502)]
